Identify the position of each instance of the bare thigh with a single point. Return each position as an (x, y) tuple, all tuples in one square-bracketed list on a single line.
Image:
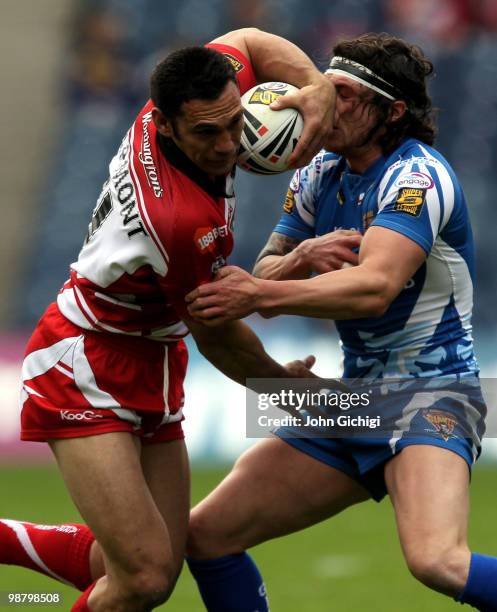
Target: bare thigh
[(272, 490), (106, 479), (167, 475), (429, 489)]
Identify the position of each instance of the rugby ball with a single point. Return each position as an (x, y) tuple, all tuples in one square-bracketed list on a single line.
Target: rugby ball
[(268, 136)]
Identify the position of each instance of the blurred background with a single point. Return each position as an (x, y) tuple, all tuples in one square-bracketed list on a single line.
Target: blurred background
[(74, 75)]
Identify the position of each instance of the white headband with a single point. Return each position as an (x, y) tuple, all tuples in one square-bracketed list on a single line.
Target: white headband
[(361, 74)]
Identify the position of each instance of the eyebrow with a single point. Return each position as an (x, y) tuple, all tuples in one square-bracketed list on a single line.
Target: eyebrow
[(362, 92), (355, 87), (214, 126), (345, 86)]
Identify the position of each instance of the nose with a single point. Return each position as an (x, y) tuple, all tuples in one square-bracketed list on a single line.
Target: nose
[(225, 144)]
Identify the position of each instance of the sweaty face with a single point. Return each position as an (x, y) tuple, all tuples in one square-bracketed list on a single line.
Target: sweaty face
[(354, 116), (209, 131)]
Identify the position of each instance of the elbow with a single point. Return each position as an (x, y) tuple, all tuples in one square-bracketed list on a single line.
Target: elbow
[(248, 32), (252, 30)]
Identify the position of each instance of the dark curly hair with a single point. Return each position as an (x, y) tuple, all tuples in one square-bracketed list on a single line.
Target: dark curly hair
[(187, 74), (406, 68)]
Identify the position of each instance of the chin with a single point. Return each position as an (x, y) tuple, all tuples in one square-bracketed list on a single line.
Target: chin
[(334, 147), (221, 170), (334, 144), (218, 172)]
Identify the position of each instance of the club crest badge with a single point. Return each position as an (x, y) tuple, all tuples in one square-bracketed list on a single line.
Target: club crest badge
[(443, 422)]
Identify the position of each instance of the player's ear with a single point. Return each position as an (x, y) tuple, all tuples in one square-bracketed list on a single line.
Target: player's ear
[(397, 110), (162, 123)]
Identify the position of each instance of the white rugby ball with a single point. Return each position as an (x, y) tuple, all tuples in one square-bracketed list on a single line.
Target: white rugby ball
[(269, 136)]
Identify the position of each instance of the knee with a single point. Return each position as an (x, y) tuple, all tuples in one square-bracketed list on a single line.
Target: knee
[(152, 584), (442, 569), (206, 540), (200, 543)]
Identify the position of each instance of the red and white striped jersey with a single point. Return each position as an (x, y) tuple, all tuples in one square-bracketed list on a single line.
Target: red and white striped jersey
[(159, 230)]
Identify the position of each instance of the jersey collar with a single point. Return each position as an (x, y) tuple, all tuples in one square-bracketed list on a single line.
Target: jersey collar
[(181, 162)]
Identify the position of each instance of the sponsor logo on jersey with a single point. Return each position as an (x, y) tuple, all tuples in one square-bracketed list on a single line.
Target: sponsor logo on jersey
[(147, 160), (415, 180), (87, 415), (205, 237), (410, 201), (443, 422), (414, 160), (265, 96), (289, 201), (341, 227), (236, 63)]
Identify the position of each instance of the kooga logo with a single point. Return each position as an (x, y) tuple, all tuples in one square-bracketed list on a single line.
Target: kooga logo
[(87, 415)]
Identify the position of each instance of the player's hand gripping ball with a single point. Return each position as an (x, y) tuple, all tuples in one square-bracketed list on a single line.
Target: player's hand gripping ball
[(269, 136)]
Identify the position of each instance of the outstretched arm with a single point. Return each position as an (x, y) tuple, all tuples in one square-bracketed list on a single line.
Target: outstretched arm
[(235, 350), (276, 59), (387, 261)]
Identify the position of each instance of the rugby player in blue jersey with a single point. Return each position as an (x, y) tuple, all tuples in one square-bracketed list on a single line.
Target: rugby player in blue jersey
[(403, 311)]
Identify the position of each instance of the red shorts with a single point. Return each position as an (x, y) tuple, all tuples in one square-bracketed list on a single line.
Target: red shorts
[(80, 383)]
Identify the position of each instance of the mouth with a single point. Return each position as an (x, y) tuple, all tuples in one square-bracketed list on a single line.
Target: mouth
[(221, 166), (221, 163)]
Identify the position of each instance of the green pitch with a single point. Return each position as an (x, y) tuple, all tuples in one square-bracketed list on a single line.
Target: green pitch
[(351, 563)]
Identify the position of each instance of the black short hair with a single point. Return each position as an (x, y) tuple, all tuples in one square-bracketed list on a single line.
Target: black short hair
[(189, 74), (406, 68)]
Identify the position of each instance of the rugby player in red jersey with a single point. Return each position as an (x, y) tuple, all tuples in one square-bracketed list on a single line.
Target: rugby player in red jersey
[(103, 372)]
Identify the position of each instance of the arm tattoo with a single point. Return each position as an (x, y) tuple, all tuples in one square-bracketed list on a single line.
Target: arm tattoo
[(278, 244)]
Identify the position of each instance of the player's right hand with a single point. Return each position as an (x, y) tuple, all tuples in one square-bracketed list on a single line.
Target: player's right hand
[(330, 252), (316, 103)]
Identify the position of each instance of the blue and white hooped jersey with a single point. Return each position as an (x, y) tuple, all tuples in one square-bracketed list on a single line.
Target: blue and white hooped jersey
[(427, 330)]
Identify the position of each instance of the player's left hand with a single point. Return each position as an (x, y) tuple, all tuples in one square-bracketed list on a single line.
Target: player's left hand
[(232, 295), (316, 103), (301, 368)]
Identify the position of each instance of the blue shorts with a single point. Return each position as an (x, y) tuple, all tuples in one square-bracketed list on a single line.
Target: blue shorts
[(453, 419), (364, 460)]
